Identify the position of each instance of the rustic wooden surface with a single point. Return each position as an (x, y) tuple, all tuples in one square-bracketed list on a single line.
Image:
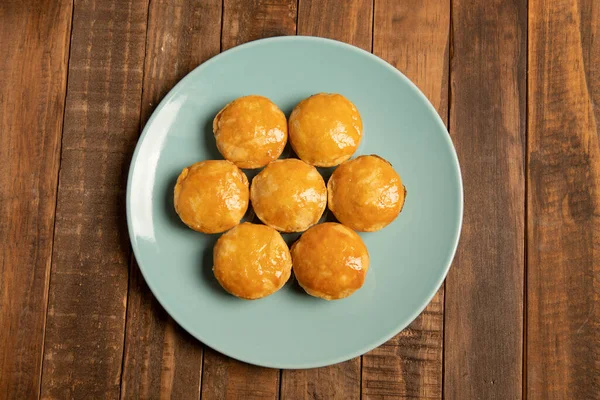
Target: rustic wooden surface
[(83, 348), (563, 202), (516, 82), (33, 76), (483, 340)]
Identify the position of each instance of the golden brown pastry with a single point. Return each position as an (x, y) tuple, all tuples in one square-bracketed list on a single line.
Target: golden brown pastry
[(250, 131), (252, 261), (330, 261), (289, 195), (211, 196), (325, 129), (365, 193)]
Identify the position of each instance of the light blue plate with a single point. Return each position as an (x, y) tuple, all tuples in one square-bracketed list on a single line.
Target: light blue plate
[(409, 258)]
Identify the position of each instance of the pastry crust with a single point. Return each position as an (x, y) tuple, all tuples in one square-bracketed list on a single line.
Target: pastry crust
[(211, 196), (252, 261), (365, 193), (330, 261), (325, 129), (250, 131), (289, 195)]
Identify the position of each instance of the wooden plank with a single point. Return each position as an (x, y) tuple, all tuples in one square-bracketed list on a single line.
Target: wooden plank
[(160, 358), (414, 37), (409, 366), (339, 381), (89, 277), (247, 20), (226, 378), (33, 76), (483, 340), (349, 21), (243, 21), (563, 279)]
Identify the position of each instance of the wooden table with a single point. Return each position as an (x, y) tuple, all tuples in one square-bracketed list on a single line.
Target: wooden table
[(518, 84)]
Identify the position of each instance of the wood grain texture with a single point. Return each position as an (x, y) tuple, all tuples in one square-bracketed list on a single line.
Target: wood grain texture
[(89, 277), (414, 37), (351, 22), (339, 381), (409, 366), (563, 280), (226, 378), (247, 20), (483, 340), (348, 21), (162, 360), (33, 75), (243, 21)]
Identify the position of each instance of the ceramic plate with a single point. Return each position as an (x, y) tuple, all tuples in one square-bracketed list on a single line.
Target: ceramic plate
[(409, 258)]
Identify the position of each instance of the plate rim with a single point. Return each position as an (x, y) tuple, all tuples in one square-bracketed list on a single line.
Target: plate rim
[(397, 327)]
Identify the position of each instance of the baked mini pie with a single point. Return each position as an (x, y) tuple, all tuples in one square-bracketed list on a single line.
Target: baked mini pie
[(288, 195), (211, 196), (330, 261), (252, 261), (365, 193), (325, 129), (250, 131)]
